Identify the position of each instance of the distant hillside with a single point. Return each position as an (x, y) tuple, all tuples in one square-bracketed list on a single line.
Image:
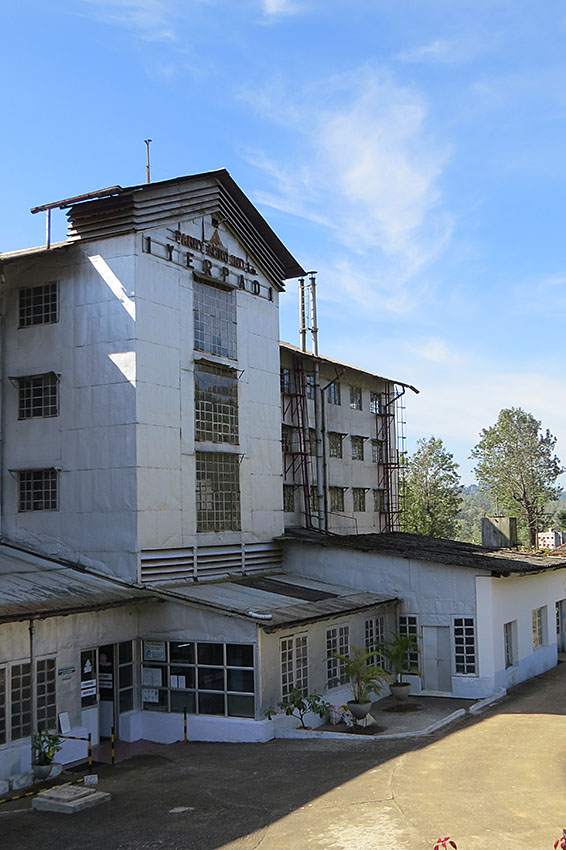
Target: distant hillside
[(476, 503)]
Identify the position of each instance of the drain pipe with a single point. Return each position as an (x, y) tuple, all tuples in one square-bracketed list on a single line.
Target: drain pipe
[(32, 683)]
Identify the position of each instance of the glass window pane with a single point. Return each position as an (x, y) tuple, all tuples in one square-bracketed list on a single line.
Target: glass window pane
[(183, 652), (239, 706), (125, 652), (210, 703), (125, 676), (154, 699), (181, 700), (211, 678), (239, 655), (126, 700), (211, 653), (241, 680), (182, 677)]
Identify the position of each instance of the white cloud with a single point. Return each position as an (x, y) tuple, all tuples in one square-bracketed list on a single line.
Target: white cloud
[(364, 166), (280, 7), (151, 20), (434, 350), (444, 51)]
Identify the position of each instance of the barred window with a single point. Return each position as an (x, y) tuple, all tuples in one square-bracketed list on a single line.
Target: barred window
[(356, 398), (336, 499), (310, 387), (335, 444), (285, 381), (288, 499), (538, 627), (294, 665), (38, 305), (408, 626), (216, 403), (377, 451), (21, 701), (374, 636), (203, 677), (333, 393), (46, 694), (217, 491), (312, 442), (465, 645), (337, 642), (357, 448), (38, 490), (38, 395), (375, 402), (2, 705), (359, 495), (288, 438), (215, 320), (380, 501)]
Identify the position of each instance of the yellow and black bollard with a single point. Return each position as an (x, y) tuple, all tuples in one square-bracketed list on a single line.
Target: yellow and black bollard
[(89, 752), (113, 746), (185, 739)]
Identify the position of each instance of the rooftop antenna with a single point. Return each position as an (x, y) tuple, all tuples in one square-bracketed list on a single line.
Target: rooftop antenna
[(302, 315), (314, 319), (147, 144)]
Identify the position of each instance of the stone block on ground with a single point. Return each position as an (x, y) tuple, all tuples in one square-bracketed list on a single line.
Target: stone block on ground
[(69, 799), (21, 780), (4, 787)]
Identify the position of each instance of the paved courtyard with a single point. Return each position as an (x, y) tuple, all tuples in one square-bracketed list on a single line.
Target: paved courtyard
[(495, 781)]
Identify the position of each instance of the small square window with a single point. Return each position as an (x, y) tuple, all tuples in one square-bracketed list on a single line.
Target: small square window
[(38, 305), (38, 396), (38, 490), (356, 398)]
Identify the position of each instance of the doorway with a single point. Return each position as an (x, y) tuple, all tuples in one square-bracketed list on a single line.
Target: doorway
[(107, 689), (561, 625), (437, 673)]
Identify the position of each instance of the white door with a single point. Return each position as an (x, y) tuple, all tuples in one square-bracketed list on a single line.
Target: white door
[(561, 625), (437, 672)]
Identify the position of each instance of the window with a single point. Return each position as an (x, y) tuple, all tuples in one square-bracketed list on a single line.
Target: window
[(312, 442), (38, 490), (374, 636), (294, 665), (357, 448), (377, 451), (374, 402), (359, 495), (204, 678), (125, 676), (286, 381), (215, 320), (333, 393), (2, 705), (539, 627), (510, 641), (464, 645), (378, 501), (38, 305), (334, 444), (21, 701), (288, 499), (337, 642), (38, 396), (356, 398), (408, 626), (309, 386), (216, 403), (336, 499), (217, 491), (89, 664), (46, 695), (314, 499)]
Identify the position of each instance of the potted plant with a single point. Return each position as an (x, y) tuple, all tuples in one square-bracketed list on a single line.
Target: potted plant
[(298, 705), (365, 678), (44, 745), (397, 653)]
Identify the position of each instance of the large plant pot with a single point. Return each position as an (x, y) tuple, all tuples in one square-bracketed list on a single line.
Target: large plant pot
[(41, 771), (400, 691), (359, 710)]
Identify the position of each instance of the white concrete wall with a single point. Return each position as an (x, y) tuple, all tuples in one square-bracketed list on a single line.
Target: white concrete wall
[(92, 440)]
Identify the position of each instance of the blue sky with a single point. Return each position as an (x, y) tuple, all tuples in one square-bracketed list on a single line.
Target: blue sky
[(412, 151)]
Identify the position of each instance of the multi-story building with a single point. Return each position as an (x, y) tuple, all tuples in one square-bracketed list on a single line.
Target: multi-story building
[(550, 539)]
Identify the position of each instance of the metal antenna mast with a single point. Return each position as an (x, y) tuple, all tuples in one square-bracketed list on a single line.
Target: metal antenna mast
[(147, 144)]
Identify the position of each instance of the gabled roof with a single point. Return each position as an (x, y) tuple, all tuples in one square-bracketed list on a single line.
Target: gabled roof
[(499, 562), (35, 587), (293, 349), (276, 601)]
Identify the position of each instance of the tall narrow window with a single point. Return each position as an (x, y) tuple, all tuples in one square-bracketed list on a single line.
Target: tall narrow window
[(38, 490), (21, 701), (336, 499), (294, 665), (357, 448), (334, 444), (375, 636), (356, 398), (46, 694), (509, 642), (539, 625), (38, 305), (337, 643), (408, 626), (217, 491), (288, 498), (333, 393), (215, 320), (310, 387), (359, 495), (465, 645), (38, 396), (216, 403), (377, 452), (375, 404)]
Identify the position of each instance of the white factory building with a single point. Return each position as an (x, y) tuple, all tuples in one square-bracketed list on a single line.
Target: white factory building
[(161, 456)]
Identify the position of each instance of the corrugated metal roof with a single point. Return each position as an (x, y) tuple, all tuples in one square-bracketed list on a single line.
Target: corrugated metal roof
[(499, 562), (272, 608), (32, 586)]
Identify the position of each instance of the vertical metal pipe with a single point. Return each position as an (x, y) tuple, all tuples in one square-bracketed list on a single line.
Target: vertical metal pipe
[(319, 440), (48, 228), (185, 739), (113, 746), (147, 143), (302, 315), (314, 319), (32, 677)]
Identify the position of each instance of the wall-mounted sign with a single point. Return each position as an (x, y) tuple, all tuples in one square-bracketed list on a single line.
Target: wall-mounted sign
[(150, 695), (213, 248), (154, 650), (66, 673)]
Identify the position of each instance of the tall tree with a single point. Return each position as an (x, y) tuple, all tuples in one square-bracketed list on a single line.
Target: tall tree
[(516, 461), (432, 491)]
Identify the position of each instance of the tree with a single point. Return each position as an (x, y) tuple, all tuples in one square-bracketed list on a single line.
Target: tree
[(561, 519), (516, 461), (432, 491)]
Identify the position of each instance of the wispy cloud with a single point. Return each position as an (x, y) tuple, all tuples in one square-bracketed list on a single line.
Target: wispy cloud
[(434, 350), (152, 20), (444, 51), (367, 169), (281, 7)]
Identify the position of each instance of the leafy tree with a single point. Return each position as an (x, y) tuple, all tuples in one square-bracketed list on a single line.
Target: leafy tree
[(516, 461), (561, 519), (432, 491), (476, 503)]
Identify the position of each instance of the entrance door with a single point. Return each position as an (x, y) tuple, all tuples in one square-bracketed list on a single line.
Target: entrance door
[(115, 684), (436, 658), (561, 625)]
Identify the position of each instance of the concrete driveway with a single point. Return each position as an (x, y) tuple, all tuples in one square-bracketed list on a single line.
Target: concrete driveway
[(496, 781)]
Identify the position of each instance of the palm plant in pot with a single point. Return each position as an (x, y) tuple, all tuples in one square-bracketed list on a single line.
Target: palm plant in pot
[(398, 651), (365, 678), (44, 745)]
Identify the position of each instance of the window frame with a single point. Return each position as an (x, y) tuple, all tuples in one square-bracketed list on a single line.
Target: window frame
[(539, 622), (12, 732), (337, 642), (510, 644), (335, 491), (356, 397), (374, 635), (216, 412), (359, 499), (294, 674), (27, 399), (335, 444), (213, 511), (215, 320), (333, 393), (408, 624), (357, 447), (48, 501), (25, 313), (462, 643), (288, 498)]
